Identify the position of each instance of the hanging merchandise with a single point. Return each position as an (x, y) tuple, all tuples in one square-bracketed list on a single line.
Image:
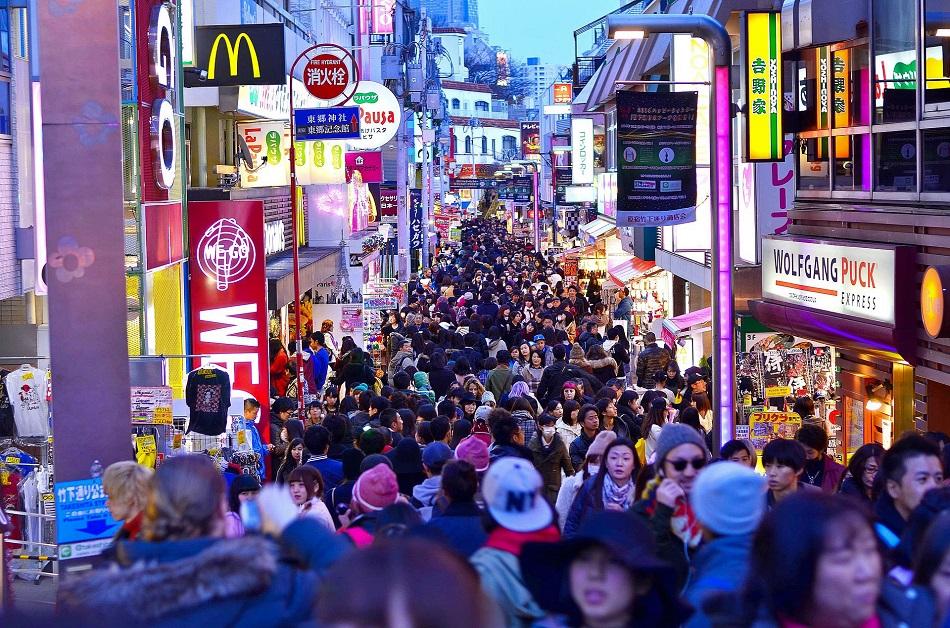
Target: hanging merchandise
[(26, 388), (7, 423), (146, 450), (208, 395)]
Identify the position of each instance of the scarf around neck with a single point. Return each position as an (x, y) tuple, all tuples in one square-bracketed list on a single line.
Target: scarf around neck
[(683, 523), (618, 495)]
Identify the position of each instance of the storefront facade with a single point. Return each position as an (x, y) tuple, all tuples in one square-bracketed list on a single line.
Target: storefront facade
[(871, 134)]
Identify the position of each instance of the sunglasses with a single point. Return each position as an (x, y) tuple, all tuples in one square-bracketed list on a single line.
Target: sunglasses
[(680, 465)]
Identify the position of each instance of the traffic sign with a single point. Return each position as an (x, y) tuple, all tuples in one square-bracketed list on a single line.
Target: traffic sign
[(331, 123), (81, 513)]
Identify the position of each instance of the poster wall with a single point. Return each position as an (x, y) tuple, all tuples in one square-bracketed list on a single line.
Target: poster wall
[(656, 158)]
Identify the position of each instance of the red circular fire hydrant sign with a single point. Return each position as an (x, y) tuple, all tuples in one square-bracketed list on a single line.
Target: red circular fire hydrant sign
[(326, 76)]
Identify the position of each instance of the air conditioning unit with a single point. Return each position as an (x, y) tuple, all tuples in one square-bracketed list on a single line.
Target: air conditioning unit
[(433, 100)]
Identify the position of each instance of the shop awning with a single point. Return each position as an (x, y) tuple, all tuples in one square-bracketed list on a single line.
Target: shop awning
[(620, 65), (597, 228), (675, 327), (316, 264), (623, 270)]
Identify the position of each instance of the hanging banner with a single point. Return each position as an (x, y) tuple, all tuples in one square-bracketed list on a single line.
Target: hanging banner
[(416, 226), (388, 205), (582, 151), (530, 138), (228, 294), (656, 157), (362, 204), (762, 82)]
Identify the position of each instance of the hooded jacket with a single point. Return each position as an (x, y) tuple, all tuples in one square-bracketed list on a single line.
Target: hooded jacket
[(207, 581), (501, 579), (604, 369), (652, 359)]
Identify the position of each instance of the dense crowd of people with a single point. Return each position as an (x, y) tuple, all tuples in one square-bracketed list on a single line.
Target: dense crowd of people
[(507, 466)]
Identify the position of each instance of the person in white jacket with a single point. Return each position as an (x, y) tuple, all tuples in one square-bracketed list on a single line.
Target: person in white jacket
[(306, 488), (572, 484)]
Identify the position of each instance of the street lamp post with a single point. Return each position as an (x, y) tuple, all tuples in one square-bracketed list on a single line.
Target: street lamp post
[(625, 26)]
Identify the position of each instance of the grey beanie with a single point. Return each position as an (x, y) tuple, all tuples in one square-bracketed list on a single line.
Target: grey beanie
[(729, 499), (675, 434)]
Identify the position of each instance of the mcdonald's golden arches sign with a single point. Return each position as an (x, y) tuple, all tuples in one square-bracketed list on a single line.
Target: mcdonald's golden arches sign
[(248, 54)]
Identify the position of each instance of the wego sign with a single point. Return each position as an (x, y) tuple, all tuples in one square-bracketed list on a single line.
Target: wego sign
[(228, 286)]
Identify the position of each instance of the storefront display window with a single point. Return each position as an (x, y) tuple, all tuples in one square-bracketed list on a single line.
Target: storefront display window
[(852, 163), (936, 160), (937, 53), (806, 84), (897, 161), (848, 93), (813, 164), (895, 60)]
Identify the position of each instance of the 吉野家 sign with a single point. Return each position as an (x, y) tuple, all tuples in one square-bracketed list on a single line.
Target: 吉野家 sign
[(836, 278), (582, 151), (248, 54), (332, 123), (656, 158), (563, 93), (762, 73)]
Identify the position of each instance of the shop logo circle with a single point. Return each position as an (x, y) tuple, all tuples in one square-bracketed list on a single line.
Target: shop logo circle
[(226, 253)]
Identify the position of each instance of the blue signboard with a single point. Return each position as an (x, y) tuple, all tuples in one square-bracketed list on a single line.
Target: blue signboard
[(81, 513), (416, 226), (332, 123)]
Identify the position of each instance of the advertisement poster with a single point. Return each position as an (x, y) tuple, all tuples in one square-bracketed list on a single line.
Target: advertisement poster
[(228, 294), (767, 426), (656, 157), (388, 205), (600, 145), (362, 205), (530, 138), (380, 115), (317, 162), (369, 165), (351, 318)]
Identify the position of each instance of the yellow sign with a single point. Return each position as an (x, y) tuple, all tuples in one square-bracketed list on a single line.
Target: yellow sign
[(777, 391), (762, 68), (233, 52), (163, 416), (933, 309), (841, 99), (766, 426)]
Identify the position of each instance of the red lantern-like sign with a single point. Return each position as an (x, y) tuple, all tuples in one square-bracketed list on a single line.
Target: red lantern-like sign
[(326, 76)]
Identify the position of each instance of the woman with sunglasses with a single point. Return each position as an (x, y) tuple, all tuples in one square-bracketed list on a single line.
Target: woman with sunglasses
[(613, 488), (679, 457)]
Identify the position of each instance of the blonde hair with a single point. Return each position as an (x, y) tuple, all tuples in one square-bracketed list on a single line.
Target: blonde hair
[(127, 483), (185, 501)]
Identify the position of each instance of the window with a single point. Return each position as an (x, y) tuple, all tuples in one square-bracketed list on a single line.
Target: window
[(494, 150), (813, 164), (468, 144), (484, 145), (897, 161), (481, 105), (4, 40), (456, 103), (509, 144), (936, 56), (936, 160), (895, 61), (5, 108)]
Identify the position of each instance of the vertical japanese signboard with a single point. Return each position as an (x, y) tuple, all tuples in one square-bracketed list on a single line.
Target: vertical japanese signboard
[(762, 82), (228, 288), (841, 99), (416, 225), (656, 158), (582, 151)]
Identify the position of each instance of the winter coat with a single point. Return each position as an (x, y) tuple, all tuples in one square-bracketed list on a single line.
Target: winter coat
[(499, 381), (669, 547), (831, 479), (554, 376), (568, 433), (512, 451), (550, 464), (424, 494), (460, 526), (624, 308), (565, 496), (399, 362), (652, 359), (579, 449), (587, 501), (501, 579), (441, 380), (527, 424), (532, 376), (604, 369), (208, 582), (720, 566)]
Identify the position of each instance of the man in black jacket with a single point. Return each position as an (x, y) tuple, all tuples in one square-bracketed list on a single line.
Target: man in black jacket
[(653, 358), (554, 376)]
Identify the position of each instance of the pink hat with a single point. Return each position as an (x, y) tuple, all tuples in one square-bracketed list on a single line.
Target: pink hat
[(570, 384), (473, 450), (376, 488)]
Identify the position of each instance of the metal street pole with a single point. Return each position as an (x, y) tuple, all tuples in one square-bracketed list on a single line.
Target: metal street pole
[(720, 130), (402, 164), (537, 220)]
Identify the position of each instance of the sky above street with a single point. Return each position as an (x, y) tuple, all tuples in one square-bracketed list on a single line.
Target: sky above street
[(539, 28)]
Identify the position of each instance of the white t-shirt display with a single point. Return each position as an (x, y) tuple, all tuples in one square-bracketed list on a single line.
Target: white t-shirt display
[(26, 388)]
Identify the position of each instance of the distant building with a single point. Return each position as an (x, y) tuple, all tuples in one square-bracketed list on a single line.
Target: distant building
[(540, 77), (451, 13)]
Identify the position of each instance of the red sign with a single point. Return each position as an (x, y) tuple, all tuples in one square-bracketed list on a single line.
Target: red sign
[(326, 76), (228, 295), (164, 241), (563, 93), (388, 205), (369, 164)]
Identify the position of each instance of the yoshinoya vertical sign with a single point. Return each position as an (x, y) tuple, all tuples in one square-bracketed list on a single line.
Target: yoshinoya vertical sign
[(656, 158), (762, 74), (582, 151), (228, 293)]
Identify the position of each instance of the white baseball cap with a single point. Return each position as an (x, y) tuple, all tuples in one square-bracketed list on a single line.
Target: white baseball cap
[(512, 491)]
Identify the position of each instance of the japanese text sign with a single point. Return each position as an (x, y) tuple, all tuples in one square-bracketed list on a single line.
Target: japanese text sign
[(81, 513), (332, 123), (762, 73)]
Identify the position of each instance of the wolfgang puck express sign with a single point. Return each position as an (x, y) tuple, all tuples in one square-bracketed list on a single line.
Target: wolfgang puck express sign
[(836, 278)]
